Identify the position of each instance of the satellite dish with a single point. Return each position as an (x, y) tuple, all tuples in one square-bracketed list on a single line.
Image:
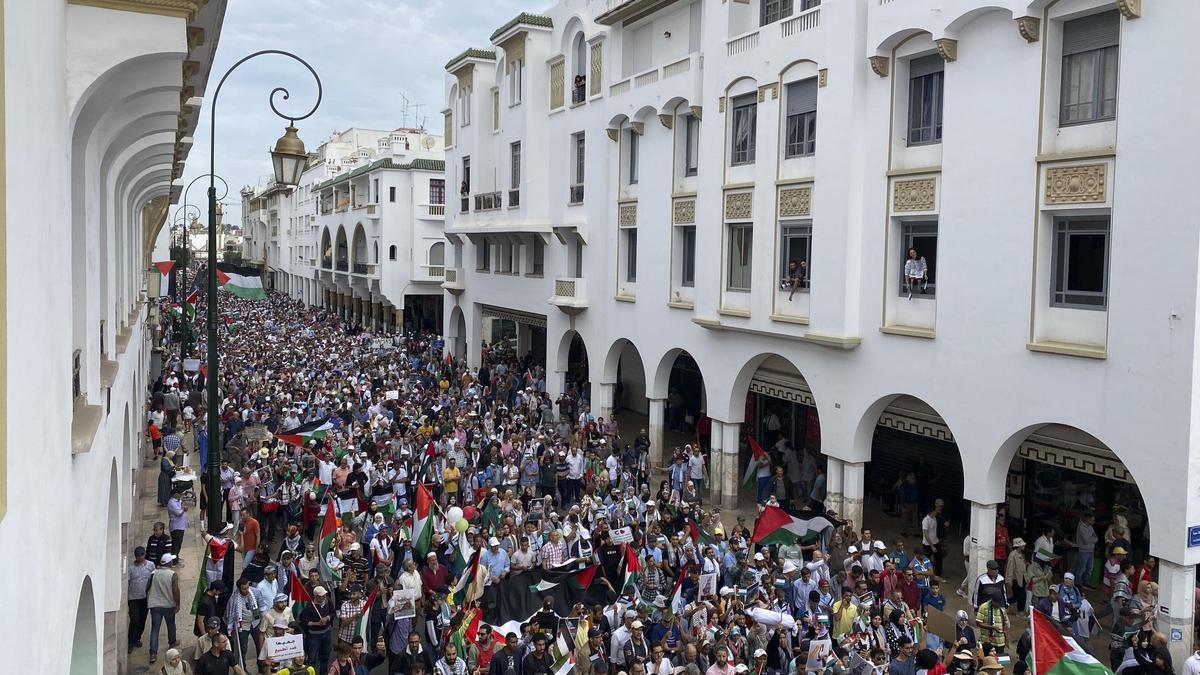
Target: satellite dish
[(427, 142)]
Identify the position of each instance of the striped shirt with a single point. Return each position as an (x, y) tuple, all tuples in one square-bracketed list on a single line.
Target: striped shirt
[(553, 554)]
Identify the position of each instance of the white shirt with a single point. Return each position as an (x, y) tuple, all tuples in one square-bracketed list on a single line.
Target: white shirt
[(929, 531), (696, 464), (1192, 665)]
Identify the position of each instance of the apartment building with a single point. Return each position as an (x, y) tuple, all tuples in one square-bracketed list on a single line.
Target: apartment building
[(709, 209)]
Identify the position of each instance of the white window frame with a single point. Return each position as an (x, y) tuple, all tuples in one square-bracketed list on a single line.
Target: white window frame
[(691, 145), (1066, 227), (740, 240), (687, 255), (628, 243), (910, 231), (800, 230), (743, 109), (632, 166)]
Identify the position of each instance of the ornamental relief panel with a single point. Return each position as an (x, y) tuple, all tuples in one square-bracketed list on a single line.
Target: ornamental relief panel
[(627, 214), (739, 205), (914, 195), (795, 202), (684, 212), (1083, 184)]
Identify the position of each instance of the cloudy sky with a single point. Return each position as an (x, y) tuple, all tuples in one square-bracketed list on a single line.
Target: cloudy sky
[(367, 52)]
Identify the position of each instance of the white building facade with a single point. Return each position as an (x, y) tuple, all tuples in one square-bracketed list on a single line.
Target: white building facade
[(362, 232), (636, 177), (100, 102)]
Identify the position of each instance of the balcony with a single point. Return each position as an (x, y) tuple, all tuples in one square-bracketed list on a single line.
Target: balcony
[(365, 269), (806, 20), (432, 211), (570, 294), (487, 201), (342, 266), (681, 77), (514, 198), (452, 280), (327, 263), (435, 271), (576, 194), (578, 93), (373, 210)]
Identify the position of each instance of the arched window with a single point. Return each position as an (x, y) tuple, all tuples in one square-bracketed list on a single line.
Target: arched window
[(392, 252), (375, 253), (579, 69), (437, 254)]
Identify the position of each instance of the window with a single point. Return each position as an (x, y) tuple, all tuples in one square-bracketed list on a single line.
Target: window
[(437, 191), (495, 110), (925, 100), (392, 252), (515, 165), (687, 255), (483, 256), (464, 107), (1089, 73), (740, 256), (629, 244), (801, 118), (508, 258), (1080, 274), (437, 255), (376, 186), (633, 157), (774, 10), (575, 264), (514, 82), (691, 145), (537, 257), (577, 173), (392, 192), (745, 112), (795, 246), (921, 238)]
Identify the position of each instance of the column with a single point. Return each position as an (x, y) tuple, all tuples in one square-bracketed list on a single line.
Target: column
[(556, 381), (524, 338), (1176, 595), (602, 399), (377, 316), (983, 542), (717, 459), (833, 486), (730, 445), (853, 491), (658, 450)]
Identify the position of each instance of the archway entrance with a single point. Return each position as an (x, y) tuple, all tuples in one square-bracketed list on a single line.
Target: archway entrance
[(578, 378), (84, 643)]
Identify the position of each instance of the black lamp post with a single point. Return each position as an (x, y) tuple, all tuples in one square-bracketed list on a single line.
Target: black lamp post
[(185, 248), (289, 160)]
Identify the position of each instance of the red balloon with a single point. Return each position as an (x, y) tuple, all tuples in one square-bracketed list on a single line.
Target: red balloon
[(469, 512)]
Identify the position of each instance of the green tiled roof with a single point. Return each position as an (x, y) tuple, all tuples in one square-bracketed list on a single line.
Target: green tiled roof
[(473, 53), (417, 164), (526, 19)]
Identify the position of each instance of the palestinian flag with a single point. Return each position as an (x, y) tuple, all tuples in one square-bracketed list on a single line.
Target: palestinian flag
[(364, 619), (757, 457), (632, 567), (422, 529), (305, 432), (776, 526), (565, 664), (299, 594), (329, 526), (470, 583), (201, 589), (244, 282), (176, 311), (676, 604), (577, 578), (468, 631), (164, 276), (1055, 654), (462, 554), (190, 304), (699, 535)]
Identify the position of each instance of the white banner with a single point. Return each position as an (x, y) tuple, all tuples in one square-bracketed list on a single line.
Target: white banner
[(708, 584), (622, 535), (191, 365), (285, 647), (347, 505)]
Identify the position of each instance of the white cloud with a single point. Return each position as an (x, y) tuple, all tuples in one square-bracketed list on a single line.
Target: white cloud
[(366, 52)]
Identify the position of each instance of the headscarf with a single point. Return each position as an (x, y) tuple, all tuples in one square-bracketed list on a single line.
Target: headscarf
[(168, 669)]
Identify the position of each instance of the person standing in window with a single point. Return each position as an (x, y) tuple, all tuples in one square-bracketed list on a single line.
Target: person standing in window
[(797, 276), (916, 272)]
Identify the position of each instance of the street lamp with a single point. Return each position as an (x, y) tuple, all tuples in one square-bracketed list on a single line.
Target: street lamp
[(288, 159), (186, 258)]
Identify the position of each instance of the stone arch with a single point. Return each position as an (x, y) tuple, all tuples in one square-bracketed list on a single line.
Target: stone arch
[(958, 23), (671, 107), (741, 85), (112, 546), (625, 368), (359, 249), (456, 333), (898, 38), (85, 640), (644, 115), (660, 384), (341, 252), (573, 361), (128, 455), (326, 248)]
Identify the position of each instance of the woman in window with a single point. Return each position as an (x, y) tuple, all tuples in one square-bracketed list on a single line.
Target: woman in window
[(916, 272)]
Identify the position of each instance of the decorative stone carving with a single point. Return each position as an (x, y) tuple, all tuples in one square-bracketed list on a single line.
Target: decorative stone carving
[(822, 77), (684, 212), (698, 112), (914, 195), (613, 134), (795, 202), (1081, 184), (947, 49), (879, 64), (739, 205), (627, 214), (721, 104), (1030, 28), (668, 121), (1130, 9), (772, 87), (638, 128)]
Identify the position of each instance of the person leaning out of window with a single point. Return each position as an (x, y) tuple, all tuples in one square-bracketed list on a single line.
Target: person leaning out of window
[(916, 272)]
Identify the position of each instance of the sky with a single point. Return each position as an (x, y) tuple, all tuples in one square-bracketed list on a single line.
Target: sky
[(367, 54)]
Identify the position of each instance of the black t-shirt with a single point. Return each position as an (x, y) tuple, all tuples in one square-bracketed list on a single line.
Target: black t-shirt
[(221, 664), (205, 608)]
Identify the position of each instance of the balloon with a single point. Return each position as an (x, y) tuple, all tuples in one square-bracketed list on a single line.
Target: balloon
[(469, 512), (454, 514), (461, 525)]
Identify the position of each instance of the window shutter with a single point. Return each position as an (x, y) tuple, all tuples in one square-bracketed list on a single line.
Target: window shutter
[(802, 97), (1091, 32), (744, 99), (926, 65)]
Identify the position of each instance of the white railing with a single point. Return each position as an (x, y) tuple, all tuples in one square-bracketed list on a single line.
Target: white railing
[(742, 44), (678, 68), (371, 209), (438, 271), (648, 77), (802, 22), (619, 88), (433, 210), (450, 275)]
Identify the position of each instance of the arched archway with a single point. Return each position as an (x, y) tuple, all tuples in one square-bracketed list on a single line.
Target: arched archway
[(456, 334), (85, 642), (359, 261), (573, 367), (326, 250), (113, 538), (342, 262)]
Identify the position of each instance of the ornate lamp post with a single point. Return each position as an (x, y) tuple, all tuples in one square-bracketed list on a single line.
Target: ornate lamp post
[(288, 159)]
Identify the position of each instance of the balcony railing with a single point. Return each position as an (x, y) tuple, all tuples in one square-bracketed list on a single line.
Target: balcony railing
[(576, 195), (327, 263), (578, 93), (342, 266), (487, 201), (619, 88), (437, 271), (741, 44), (514, 198), (372, 209), (643, 79), (649, 77), (806, 20), (435, 211), (466, 205), (570, 294)]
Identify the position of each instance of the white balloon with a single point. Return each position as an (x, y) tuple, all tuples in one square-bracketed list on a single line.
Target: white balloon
[(454, 514)]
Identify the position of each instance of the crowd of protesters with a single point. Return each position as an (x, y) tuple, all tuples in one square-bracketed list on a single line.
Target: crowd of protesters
[(522, 482)]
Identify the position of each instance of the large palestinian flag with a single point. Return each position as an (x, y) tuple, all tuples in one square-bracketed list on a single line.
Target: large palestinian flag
[(776, 526), (305, 432), (470, 583), (757, 456), (422, 529), (329, 527), (244, 282), (579, 578), (1054, 654)]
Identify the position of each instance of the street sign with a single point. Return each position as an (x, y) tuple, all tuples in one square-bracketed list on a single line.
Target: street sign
[(1194, 536)]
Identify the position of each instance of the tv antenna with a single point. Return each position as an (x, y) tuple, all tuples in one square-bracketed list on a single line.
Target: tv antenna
[(410, 110)]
